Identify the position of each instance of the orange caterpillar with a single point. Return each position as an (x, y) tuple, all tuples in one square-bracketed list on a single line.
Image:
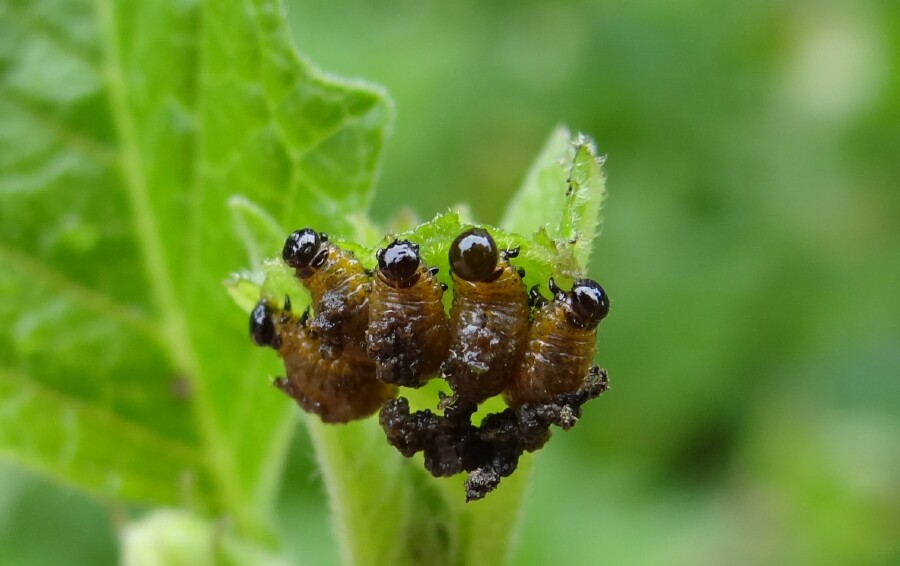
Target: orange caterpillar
[(561, 344), (374, 331), (488, 317), (338, 389), (339, 286), (408, 333)]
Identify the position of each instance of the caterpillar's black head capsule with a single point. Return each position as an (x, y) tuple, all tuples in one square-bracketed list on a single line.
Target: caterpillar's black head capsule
[(262, 328), (399, 263), (474, 255), (589, 303), (304, 249)]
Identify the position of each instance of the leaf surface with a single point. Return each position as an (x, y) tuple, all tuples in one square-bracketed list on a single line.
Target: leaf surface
[(560, 200), (127, 129)]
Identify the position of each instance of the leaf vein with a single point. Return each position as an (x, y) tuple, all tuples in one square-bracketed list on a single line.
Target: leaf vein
[(89, 147), (84, 296), (180, 347), (52, 36), (115, 420)]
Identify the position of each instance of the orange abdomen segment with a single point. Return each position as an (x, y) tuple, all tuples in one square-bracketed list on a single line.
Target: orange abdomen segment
[(488, 331), (337, 389), (408, 336), (556, 360), (339, 289)]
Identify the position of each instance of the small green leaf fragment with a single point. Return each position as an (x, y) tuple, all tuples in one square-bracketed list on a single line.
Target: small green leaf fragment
[(244, 289), (581, 218), (560, 201), (279, 282), (540, 199)]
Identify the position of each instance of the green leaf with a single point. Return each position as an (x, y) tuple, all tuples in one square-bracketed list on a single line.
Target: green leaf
[(257, 230), (554, 219), (560, 201), (146, 150)]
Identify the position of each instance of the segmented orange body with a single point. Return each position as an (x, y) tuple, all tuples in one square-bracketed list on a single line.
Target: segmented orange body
[(369, 335), (337, 389), (488, 318), (561, 345), (339, 286), (408, 335), (328, 371)]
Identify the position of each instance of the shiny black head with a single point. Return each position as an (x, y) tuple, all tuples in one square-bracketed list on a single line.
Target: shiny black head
[(474, 255), (589, 303), (304, 249), (399, 263), (262, 328)]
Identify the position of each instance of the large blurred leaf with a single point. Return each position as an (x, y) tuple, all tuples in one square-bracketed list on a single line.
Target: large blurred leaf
[(125, 127)]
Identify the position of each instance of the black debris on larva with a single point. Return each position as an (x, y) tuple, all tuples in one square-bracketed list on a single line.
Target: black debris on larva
[(370, 331), (408, 334), (336, 389), (452, 444), (488, 317)]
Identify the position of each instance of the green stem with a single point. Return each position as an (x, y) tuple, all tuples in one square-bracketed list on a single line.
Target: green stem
[(368, 489)]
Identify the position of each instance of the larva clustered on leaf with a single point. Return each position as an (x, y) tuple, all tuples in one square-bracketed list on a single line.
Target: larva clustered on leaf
[(372, 331)]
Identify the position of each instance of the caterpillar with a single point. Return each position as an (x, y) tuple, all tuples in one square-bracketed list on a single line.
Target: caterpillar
[(375, 330), (408, 334), (488, 317), (337, 389), (555, 378), (561, 343), (339, 286)]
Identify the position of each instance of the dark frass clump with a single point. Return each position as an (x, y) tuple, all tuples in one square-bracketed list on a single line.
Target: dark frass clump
[(373, 331)]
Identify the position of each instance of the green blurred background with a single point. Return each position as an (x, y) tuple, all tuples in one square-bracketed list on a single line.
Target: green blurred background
[(751, 249)]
